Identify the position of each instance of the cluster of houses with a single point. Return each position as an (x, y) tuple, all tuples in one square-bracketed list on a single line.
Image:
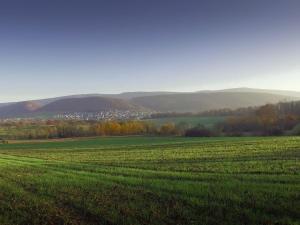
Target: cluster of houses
[(104, 115)]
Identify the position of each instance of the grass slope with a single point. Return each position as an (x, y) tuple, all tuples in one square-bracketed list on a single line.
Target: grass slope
[(143, 180)]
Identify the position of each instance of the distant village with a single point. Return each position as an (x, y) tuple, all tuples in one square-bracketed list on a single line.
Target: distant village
[(104, 115), (109, 115)]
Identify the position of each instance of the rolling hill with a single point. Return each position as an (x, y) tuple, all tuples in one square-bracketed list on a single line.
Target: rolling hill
[(89, 104), (199, 102), (68, 105), (123, 96), (148, 101), (19, 109)]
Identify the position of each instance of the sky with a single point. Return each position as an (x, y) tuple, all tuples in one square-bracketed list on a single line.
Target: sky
[(52, 47)]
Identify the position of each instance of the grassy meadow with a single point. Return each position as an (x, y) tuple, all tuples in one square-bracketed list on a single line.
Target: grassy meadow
[(151, 180), (206, 121)]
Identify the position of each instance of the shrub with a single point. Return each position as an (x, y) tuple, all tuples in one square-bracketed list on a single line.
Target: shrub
[(168, 129), (296, 130), (276, 132)]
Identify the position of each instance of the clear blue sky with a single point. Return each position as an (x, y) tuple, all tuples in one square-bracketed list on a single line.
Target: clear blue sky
[(60, 47)]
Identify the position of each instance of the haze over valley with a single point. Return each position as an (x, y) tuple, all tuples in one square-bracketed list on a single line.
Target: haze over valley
[(141, 104)]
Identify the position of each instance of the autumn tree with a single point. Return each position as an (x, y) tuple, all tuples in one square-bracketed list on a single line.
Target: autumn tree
[(168, 129)]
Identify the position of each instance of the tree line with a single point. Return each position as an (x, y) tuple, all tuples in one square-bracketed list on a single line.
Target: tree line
[(49, 129), (270, 119), (266, 120)]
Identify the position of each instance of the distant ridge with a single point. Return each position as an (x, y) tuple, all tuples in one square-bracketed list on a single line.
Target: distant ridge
[(89, 104), (124, 96), (268, 91), (199, 102), (149, 101)]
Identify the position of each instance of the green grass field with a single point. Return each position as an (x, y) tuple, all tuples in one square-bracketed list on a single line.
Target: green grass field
[(151, 180), (193, 121)]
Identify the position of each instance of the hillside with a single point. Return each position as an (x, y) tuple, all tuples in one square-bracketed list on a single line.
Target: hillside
[(4, 104), (123, 96), (68, 105), (89, 104), (148, 101), (199, 102), (19, 109)]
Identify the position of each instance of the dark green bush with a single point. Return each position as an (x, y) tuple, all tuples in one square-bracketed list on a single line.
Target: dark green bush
[(296, 130)]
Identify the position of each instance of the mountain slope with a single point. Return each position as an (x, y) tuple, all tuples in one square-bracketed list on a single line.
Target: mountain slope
[(88, 104), (199, 102), (147, 101), (5, 104), (132, 95), (123, 96), (19, 109)]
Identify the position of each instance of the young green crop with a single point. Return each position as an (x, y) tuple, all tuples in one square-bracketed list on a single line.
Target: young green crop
[(151, 180)]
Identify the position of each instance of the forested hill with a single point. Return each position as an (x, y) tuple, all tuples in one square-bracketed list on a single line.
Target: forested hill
[(199, 102), (194, 102)]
